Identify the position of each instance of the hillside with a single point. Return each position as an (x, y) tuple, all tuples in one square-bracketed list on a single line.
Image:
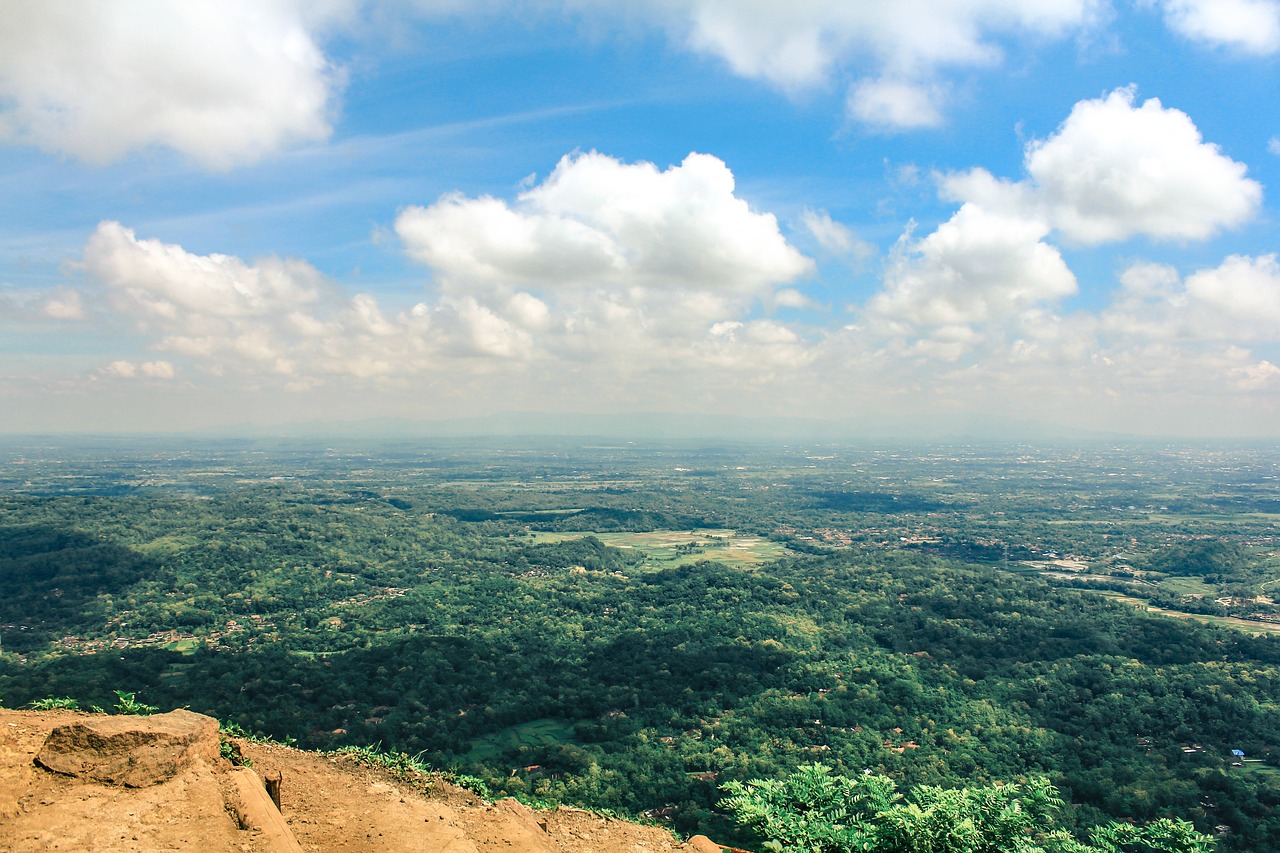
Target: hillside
[(329, 803), (634, 628)]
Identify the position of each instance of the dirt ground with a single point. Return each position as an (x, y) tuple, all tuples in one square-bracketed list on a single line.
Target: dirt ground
[(329, 803)]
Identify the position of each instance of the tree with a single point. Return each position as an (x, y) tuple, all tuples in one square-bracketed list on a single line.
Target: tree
[(812, 811)]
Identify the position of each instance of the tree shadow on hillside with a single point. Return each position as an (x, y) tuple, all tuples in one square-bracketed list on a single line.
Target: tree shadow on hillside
[(50, 580)]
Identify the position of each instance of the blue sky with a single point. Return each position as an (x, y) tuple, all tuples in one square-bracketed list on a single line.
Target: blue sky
[(906, 215)]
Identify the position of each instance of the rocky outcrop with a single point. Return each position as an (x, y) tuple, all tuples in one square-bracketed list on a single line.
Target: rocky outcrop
[(145, 785), (132, 751)]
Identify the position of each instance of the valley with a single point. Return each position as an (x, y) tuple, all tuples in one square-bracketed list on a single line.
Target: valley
[(632, 626)]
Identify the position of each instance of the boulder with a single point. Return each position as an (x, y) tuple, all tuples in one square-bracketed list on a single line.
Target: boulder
[(132, 751)]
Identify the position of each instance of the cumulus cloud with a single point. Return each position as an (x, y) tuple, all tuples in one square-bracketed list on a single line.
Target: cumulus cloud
[(1239, 299), (219, 310), (603, 266), (164, 280), (988, 293), (599, 222), (977, 269), (1114, 170), (1250, 26), (225, 82), (789, 297), (1236, 302)]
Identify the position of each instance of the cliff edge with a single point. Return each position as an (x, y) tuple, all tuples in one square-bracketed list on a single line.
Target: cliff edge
[(75, 781)]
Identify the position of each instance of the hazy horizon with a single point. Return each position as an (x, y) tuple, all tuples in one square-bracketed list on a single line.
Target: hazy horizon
[(1040, 219)]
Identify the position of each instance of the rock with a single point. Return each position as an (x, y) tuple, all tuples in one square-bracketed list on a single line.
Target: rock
[(132, 751), (702, 844)]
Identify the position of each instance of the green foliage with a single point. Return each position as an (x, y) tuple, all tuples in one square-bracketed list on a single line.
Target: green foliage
[(127, 703), (235, 730), (230, 750), (51, 703), (1215, 560), (396, 594), (1160, 836), (812, 811)]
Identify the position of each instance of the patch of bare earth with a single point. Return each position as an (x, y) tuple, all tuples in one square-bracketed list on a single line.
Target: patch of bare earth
[(328, 803)]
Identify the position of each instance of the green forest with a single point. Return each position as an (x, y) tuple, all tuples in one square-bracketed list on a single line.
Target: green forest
[(642, 627)]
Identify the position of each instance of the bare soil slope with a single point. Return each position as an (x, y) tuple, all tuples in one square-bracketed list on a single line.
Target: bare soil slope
[(328, 803)]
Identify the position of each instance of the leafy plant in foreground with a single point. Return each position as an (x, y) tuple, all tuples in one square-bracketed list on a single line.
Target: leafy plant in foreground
[(127, 703), (812, 811), (52, 703)]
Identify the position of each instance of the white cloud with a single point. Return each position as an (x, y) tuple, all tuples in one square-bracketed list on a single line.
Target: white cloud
[(1239, 299), (164, 280), (603, 267), (789, 297), (276, 316), (598, 222), (64, 305), (1113, 171), (805, 44), (1236, 302), (799, 44), (985, 292), (977, 269), (896, 104), (1251, 26), (225, 82), (834, 237), (148, 369), (1273, 145), (1256, 377)]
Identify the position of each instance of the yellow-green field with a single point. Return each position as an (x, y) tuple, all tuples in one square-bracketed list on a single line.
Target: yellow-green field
[(1189, 586), (667, 548), (1247, 625), (1257, 767)]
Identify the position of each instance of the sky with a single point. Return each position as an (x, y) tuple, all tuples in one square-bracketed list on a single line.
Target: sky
[(925, 215)]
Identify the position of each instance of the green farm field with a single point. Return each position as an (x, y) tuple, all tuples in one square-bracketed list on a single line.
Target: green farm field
[(535, 733), (669, 548)]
